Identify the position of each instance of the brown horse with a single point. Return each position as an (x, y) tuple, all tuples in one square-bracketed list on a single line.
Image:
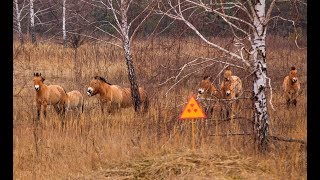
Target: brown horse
[(114, 96), (207, 91), (48, 95), (74, 101), (291, 87), (231, 90)]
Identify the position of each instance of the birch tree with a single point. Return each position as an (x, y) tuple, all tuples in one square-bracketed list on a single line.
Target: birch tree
[(18, 16), (248, 21), (32, 28), (64, 32), (123, 29), (43, 17)]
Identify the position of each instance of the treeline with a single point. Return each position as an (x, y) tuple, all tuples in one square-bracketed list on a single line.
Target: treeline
[(88, 18)]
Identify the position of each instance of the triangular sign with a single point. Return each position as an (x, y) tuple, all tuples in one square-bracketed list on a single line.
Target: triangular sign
[(192, 110)]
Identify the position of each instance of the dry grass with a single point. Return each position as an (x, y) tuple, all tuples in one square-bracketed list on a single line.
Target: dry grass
[(156, 145)]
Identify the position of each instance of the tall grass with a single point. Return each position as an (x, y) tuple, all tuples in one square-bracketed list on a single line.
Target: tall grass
[(155, 145)]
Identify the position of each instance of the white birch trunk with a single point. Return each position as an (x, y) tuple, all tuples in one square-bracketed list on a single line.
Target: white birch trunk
[(32, 30), (64, 32), (18, 16), (260, 65), (128, 56)]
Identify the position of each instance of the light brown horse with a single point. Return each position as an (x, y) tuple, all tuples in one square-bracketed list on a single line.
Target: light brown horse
[(74, 101), (231, 89), (48, 95), (114, 96), (291, 87)]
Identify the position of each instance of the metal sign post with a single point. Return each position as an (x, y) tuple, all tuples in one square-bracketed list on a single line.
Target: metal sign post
[(192, 110)]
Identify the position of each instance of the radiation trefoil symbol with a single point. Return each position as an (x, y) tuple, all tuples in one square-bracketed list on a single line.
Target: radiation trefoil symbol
[(192, 110)]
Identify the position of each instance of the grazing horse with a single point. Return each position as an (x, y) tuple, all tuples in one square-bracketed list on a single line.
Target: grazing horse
[(74, 101), (206, 90), (48, 95), (291, 87), (114, 96), (231, 88)]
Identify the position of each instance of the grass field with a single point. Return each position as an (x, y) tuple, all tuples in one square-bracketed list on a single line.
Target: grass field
[(155, 145)]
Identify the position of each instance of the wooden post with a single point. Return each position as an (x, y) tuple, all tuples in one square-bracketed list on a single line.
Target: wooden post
[(192, 131)]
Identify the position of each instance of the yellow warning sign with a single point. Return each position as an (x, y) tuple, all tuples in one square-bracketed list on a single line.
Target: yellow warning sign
[(192, 110)]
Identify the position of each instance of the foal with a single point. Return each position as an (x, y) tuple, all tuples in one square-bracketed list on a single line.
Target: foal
[(48, 95), (74, 101)]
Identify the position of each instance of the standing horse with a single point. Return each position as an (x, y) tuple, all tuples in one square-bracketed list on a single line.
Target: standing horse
[(74, 101), (207, 91), (291, 87), (48, 95), (114, 96), (231, 90)]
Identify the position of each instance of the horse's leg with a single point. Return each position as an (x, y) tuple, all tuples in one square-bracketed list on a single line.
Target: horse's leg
[(294, 102), (45, 109), (62, 112), (57, 109), (60, 109), (38, 110), (232, 116)]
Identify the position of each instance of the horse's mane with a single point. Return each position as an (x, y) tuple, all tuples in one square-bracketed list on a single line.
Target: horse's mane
[(102, 79)]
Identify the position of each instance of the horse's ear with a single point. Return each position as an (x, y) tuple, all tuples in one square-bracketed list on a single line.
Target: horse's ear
[(39, 74), (34, 74), (206, 77), (293, 68)]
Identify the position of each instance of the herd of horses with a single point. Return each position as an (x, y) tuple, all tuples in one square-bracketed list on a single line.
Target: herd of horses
[(112, 96), (116, 97)]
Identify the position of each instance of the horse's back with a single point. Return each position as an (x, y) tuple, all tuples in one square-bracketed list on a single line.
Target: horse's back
[(237, 85), (285, 83), (127, 98), (55, 94)]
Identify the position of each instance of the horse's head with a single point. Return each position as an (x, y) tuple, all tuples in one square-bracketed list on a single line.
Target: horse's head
[(226, 89), (293, 75), (205, 87), (37, 81), (227, 75), (94, 85)]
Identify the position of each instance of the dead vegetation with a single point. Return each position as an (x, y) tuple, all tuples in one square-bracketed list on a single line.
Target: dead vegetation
[(155, 145)]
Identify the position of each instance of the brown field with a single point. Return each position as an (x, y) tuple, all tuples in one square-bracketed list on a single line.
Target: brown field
[(155, 145)]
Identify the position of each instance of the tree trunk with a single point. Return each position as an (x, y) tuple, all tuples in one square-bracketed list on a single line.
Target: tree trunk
[(128, 56), (132, 77), (64, 23), (259, 84), (18, 22), (32, 30)]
